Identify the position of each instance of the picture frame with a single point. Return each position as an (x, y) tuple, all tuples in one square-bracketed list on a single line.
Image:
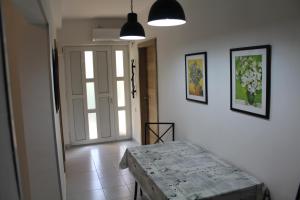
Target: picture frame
[(196, 77), (55, 71), (250, 80)]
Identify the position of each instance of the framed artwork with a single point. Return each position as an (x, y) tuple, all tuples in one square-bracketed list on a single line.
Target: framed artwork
[(196, 77), (55, 71), (250, 70)]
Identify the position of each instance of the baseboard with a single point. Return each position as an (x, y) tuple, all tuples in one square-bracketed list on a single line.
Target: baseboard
[(69, 146)]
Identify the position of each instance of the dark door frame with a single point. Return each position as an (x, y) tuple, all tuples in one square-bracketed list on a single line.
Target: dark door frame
[(142, 54)]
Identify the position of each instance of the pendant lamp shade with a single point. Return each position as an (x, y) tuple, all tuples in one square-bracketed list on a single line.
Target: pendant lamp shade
[(166, 13), (132, 29)]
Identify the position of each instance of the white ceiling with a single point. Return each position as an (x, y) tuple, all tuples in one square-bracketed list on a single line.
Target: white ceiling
[(101, 8)]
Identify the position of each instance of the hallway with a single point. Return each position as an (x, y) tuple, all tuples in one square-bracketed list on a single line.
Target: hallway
[(93, 172)]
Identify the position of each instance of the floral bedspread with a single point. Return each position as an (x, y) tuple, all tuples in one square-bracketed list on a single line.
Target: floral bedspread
[(183, 171)]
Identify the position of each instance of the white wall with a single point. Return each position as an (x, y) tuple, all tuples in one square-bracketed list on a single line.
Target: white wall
[(28, 51), (8, 181), (79, 31), (53, 18), (268, 149), (135, 103)]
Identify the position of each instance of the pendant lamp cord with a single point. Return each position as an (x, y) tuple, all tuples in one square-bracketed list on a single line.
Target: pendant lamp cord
[(131, 7)]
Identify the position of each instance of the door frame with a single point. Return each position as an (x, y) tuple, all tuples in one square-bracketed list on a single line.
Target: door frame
[(142, 49), (112, 95)]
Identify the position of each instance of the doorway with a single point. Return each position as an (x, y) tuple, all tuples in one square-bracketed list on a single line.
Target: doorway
[(148, 84), (98, 93)]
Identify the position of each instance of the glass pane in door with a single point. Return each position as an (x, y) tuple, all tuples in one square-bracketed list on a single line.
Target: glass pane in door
[(93, 132), (121, 93), (89, 64), (90, 93), (122, 122), (119, 63)]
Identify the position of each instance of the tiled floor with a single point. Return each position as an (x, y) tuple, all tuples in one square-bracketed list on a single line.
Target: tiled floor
[(93, 173)]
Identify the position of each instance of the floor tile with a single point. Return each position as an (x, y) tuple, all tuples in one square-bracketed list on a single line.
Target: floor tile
[(88, 195), (112, 181), (93, 173), (83, 186), (91, 176), (80, 166), (117, 193)]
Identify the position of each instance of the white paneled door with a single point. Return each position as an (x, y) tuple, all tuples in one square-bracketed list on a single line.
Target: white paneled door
[(98, 93)]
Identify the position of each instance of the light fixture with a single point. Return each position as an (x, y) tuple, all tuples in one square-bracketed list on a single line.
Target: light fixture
[(132, 29), (166, 13)]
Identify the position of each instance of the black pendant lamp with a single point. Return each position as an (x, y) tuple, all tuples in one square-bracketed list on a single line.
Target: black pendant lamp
[(166, 13), (132, 29)]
